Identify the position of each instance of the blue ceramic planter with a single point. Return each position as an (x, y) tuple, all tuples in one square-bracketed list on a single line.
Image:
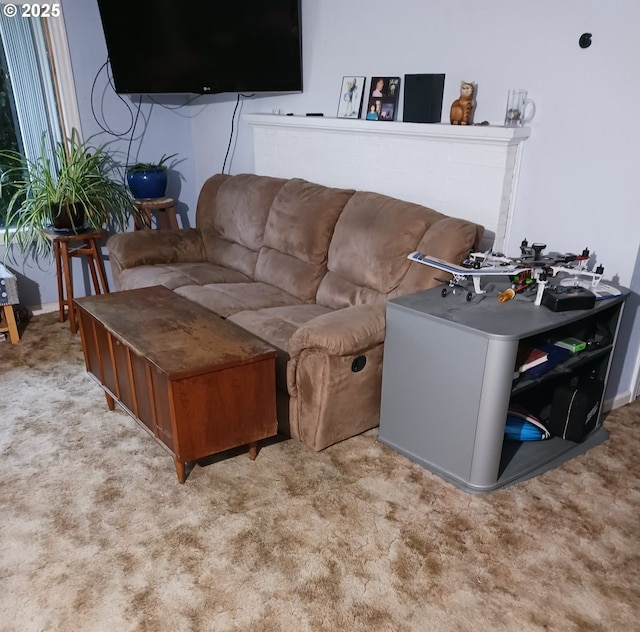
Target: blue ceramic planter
[(148, 184)]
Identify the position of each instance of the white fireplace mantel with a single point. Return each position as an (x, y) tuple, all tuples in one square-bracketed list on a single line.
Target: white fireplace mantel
[(463, 171)]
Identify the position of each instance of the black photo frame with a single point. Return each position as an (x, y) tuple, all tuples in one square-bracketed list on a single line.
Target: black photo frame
[(384, 94)]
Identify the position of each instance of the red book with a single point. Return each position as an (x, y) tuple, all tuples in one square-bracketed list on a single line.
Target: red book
[(528, 357)]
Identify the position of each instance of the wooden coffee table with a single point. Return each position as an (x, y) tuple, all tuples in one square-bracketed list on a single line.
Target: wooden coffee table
[(198, 383)]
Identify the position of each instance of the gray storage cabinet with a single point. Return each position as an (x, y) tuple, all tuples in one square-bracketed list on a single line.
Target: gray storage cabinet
[(448, 382)]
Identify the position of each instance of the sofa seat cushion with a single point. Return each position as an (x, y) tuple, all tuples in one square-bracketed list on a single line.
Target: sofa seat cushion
[(175, 275), (275, 325), (367, 258), (297, 234), (226, 299)]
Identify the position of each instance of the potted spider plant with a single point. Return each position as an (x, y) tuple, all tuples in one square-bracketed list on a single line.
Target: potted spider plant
[(148, 180), (74, 187)]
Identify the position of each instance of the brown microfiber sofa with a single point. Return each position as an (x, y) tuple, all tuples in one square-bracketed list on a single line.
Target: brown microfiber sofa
[(307, 268)]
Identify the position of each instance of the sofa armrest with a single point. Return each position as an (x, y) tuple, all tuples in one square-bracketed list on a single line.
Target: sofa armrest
[(343, 332), (148, 247)]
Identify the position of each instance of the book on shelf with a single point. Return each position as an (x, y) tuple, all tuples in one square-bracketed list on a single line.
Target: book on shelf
[(529, 357)]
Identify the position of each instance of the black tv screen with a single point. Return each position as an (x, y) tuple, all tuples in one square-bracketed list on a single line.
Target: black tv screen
[(203, 46)]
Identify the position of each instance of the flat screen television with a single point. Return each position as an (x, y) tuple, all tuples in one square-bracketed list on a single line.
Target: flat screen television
[(203, 46)]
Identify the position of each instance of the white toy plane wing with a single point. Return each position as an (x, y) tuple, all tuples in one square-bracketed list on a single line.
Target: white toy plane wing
[(458, 270)]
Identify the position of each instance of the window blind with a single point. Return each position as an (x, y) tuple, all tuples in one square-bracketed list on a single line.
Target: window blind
[(30, 74)]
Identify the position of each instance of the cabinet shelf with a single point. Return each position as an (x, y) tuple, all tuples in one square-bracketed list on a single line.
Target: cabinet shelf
[(525, 459), (569, 367), (448, 384)]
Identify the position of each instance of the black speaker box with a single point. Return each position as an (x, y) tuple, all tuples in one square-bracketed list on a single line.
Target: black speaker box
[(423, 98)]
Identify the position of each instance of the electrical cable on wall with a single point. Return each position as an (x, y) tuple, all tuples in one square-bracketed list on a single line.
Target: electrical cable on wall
[(131, 129), (130, 132), (233, 119), (175, 108), (103, 126)]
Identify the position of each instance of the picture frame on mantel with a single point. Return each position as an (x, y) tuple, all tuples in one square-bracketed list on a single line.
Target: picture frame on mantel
[(384, 94), (351, 97)]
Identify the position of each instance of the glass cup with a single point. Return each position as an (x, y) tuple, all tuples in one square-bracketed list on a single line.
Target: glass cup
[(520, 109)]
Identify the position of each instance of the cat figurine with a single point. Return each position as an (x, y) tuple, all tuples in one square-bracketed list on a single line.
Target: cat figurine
[(462, 108)]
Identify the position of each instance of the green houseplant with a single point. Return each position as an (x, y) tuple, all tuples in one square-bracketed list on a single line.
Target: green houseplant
[(148, 180), (77, 187)]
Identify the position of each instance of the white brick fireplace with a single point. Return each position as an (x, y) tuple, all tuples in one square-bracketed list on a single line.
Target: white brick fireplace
[(468, 172)]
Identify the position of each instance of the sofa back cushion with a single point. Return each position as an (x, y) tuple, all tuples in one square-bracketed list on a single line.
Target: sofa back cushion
[(450, 239), (368, 252), (231, 214), (297, 236)]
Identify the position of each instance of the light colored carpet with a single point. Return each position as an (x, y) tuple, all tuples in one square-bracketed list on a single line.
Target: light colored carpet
[(96, 533)]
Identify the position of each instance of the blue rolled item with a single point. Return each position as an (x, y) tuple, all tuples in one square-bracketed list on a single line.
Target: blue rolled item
[(521, 426)]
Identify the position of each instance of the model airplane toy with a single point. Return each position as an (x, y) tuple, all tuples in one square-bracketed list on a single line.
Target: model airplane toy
[(531, 269)]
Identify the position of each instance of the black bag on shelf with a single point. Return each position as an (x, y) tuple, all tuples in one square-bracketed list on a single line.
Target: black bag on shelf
[(575, 408)]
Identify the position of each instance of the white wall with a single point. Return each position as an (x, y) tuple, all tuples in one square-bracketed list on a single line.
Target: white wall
[(579, 184)]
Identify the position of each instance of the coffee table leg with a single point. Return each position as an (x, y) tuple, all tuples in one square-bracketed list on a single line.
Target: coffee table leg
[(180, 470), (253, 450), (111, 403)]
